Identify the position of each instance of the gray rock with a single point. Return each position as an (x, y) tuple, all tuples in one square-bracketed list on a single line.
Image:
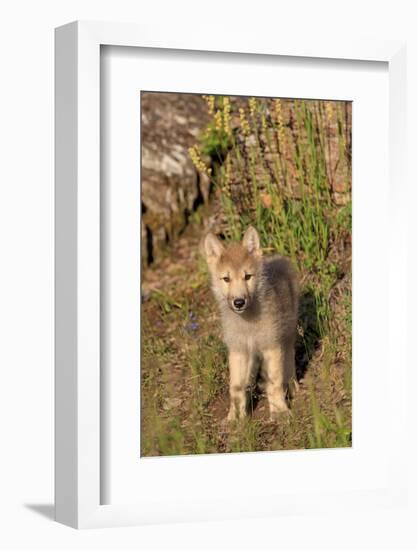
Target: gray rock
[(171, 186)]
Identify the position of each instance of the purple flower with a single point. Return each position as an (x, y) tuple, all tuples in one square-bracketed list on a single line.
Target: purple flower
[(192, 327)]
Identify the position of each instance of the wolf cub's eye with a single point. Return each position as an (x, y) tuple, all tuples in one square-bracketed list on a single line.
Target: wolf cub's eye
[(247, 276), (226, 279)]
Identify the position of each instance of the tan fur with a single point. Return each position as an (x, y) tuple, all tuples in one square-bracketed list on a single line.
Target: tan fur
[(264, 328)]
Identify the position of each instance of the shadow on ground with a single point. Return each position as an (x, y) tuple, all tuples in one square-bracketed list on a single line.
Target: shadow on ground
[(45, 510), (308, 337)]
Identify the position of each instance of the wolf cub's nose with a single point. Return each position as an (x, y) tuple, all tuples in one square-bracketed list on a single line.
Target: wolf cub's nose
[(239, 303)]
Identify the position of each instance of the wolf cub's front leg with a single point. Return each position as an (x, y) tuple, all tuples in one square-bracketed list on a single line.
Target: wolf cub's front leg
[(277, 366), (239, 367)]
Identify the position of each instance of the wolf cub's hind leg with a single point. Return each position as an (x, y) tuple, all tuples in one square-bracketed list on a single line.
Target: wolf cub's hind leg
[(240, 369), (277, 367)]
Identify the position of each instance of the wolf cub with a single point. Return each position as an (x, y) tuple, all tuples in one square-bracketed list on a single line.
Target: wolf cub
[(258, 301)]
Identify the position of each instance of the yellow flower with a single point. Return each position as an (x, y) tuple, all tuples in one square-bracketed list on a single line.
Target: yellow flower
[(278, 110), (218, 121), (209, 99), (244, 122), (279, 119), (252, 106), (226, 173), (198, 161), (226, 115)]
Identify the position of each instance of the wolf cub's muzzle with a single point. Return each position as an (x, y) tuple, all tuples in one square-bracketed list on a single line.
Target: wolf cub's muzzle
[(240, 304)]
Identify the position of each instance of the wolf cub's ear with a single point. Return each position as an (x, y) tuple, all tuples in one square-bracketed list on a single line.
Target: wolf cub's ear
[(212, 247), (251, 241)]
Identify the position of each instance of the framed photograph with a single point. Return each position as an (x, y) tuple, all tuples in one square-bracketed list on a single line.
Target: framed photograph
[(229, 219)]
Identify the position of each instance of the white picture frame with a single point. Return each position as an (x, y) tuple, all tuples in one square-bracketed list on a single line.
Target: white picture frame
[(78, 404)]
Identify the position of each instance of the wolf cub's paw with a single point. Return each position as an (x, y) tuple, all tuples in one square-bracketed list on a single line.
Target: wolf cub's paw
[(278, 411), (234, 415)]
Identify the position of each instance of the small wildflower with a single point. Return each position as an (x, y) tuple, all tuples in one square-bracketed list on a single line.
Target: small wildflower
[(226, 172), (252, 106), (209, 99), (278, 110), (192, 327), (279, 119), (228, 168), (198, 161), (226, 115), (244, 122), (218, 121)]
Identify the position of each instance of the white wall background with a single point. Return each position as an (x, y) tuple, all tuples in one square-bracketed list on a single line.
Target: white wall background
[(26, 268)]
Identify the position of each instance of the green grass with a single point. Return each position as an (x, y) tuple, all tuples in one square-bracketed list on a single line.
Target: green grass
[(284, 167)]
